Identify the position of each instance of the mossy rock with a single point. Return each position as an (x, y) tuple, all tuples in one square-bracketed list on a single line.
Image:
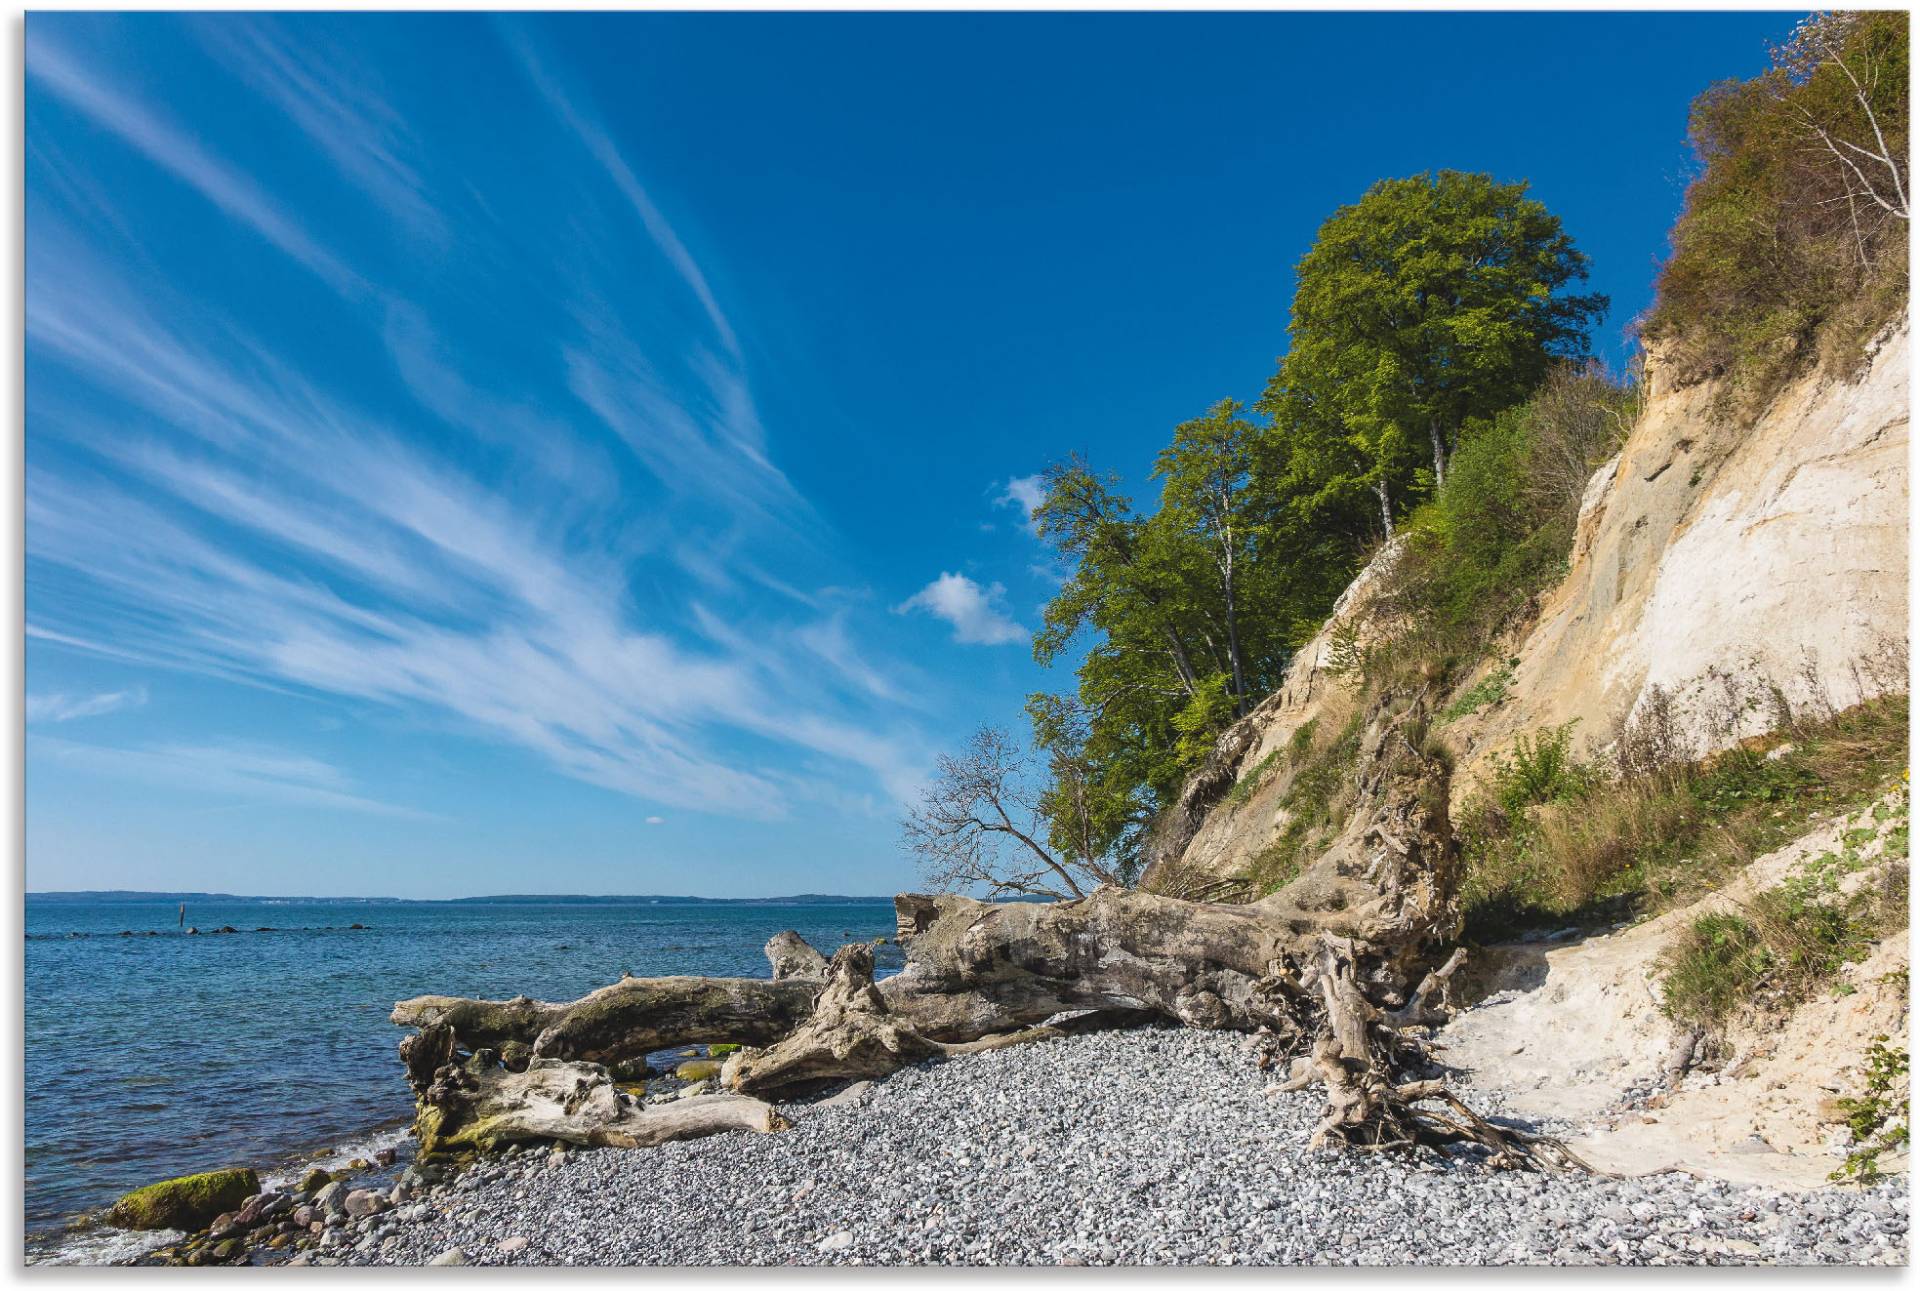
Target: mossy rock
[(721, 1050), (190, 1202), (698, 1069)]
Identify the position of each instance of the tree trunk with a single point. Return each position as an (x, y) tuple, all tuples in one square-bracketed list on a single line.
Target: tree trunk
[(1233, 634), (619, 1025), (1182, 667), (1325, 969), (478, 1105), (1386, 508), (1439, 454)]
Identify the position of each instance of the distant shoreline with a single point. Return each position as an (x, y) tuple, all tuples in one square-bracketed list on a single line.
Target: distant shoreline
[(127, 897)]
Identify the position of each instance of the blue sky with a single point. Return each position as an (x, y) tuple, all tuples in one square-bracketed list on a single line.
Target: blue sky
[(585, 453)]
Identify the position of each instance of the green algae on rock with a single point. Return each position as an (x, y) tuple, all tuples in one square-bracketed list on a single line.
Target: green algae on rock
[(190, 1202)]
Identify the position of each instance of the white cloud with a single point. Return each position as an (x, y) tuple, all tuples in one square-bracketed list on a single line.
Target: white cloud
[(1026, 492), (255, 773), (600, 146), (521, 582), (324, 91), (175, 150), (397, 578), (68, 708), (656, 820), (973, 610)]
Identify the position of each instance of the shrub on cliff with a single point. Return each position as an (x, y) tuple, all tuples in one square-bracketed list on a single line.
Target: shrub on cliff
[(1794, 234)]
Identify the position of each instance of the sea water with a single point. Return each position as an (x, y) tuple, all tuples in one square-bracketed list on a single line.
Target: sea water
[(154, 1056)]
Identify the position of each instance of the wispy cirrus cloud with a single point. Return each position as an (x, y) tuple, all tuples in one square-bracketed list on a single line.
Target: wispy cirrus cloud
[(176, 150), (334, 100), (249, 772), (391, 577), (569, 106), (70, 708), (220, 508), (974, 611)]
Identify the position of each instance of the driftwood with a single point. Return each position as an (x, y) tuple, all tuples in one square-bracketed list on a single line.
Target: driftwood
[(1325, 970), (854, 1034), (620, 1025), (480, 1105)]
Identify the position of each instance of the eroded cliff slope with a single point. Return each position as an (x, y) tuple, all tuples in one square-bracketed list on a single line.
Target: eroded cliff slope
[(1768, 549)]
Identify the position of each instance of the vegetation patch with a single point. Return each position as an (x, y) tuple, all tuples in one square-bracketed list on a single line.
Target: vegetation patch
[(1314, 803), (1551, 840), (1792, 246), (1489, 690), (1877, 1121)]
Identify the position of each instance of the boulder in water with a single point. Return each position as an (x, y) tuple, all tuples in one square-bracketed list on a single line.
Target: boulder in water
[(189, 1202)]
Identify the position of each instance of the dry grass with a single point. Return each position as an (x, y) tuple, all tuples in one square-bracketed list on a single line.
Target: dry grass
[(1587, 844)]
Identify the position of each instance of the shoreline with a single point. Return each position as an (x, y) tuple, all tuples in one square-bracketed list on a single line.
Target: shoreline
[(1150, 1146), (87, 1240)]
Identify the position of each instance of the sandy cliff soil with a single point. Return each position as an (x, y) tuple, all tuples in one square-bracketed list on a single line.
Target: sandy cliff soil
[(1572, 1032), (1777, 549)]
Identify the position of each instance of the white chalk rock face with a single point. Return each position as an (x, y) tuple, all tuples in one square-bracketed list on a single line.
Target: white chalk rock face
[(1771, 549)]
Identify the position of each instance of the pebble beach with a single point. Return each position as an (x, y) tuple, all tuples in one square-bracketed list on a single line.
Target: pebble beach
[(1131, 1147)]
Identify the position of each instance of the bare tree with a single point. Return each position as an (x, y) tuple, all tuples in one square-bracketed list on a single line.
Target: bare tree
[(981, 822), (1871, 171)]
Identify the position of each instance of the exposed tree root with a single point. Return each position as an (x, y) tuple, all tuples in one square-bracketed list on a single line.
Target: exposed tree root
[(1321, 969)]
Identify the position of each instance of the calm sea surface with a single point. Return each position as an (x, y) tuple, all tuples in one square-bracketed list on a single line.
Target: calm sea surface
[(148, 1057)]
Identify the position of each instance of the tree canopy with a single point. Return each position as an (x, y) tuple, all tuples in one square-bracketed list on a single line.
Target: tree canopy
[(1432, 303), (1798, 217)]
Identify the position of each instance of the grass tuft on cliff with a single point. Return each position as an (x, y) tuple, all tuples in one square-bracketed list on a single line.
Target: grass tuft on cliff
[(1551, 840)]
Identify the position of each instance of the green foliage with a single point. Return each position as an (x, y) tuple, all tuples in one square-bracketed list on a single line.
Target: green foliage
[(1540, 769), (1190, 612), (1714, 970), (1877, 1121), (1790, 941), (1432, 301), (1549, 838), (1249, 784), (1093, 807), (1501, 527), (1784, 240), (1489, 690)]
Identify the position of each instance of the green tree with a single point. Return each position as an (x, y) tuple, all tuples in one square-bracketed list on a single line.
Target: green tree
[(1431, 300), (1207, 476)]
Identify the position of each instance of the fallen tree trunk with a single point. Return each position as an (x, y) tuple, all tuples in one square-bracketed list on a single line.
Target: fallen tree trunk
[(619, 1025), (1323, 970), (481, 1106)]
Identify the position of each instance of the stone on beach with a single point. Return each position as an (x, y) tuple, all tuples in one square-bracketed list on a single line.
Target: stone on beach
[(1121, 1147), (189, 1202)]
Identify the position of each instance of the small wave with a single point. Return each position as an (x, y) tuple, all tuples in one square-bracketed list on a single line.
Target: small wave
[(335, 1158), (100, 1245)]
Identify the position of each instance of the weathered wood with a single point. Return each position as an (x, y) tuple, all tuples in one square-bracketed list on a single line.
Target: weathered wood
[(480, 1106), (791, 956), (1321, 969), (854, 1034), (622, 1023)]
